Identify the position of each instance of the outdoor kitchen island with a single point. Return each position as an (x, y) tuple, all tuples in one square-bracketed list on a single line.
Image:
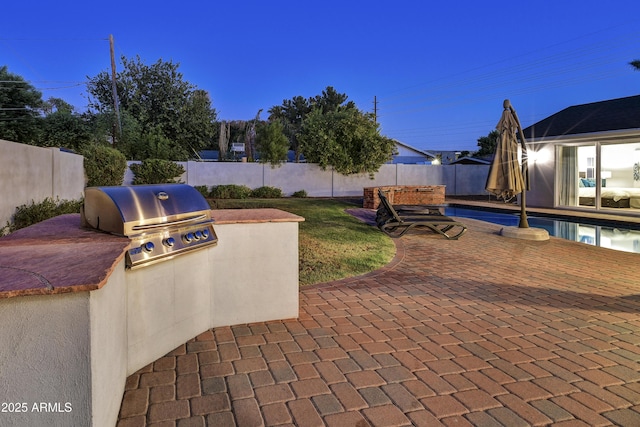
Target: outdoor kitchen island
[(76, 323)]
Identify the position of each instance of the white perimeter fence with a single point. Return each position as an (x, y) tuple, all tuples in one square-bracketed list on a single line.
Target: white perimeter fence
[(460, 180), (30, 173)]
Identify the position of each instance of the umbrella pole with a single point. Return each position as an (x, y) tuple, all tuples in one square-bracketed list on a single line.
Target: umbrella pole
[(525, 171), (523, 202)]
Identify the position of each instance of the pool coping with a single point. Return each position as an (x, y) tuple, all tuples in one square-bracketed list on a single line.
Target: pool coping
[(587, 217)]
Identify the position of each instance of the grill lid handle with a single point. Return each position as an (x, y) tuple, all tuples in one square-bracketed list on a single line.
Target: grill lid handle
[(165, 224)]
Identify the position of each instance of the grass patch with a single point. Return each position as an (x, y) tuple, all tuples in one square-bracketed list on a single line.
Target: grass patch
[(332, 244)]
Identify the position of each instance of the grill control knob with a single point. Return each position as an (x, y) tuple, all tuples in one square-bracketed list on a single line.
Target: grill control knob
[(148, 247), (205, 233), (188, 238), (169, 241), (198, 235)]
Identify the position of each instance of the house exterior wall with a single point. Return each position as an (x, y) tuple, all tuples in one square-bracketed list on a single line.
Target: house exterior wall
[(542, 177)]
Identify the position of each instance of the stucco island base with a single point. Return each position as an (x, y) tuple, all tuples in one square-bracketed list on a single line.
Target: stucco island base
[(76, 324)]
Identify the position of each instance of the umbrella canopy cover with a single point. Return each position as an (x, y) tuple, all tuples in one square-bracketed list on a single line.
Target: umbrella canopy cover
[(505, 178)]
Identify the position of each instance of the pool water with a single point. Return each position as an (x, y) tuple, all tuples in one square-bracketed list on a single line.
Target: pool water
[(606, 236)]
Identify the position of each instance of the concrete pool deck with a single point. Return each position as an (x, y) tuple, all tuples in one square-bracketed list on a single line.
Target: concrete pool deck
[(485, 330)]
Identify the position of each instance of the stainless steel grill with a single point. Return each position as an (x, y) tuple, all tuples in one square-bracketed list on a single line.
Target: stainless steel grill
[(161, 220)]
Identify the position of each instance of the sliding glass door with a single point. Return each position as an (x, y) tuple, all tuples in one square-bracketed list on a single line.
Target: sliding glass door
[(619, 176), (598, 176)]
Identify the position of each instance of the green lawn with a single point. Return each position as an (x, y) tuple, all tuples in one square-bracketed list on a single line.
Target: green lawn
[(332, 244)]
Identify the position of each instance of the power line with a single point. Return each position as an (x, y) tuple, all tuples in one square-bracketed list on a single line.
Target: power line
[(569, 62), (614, 42), (518, 76)]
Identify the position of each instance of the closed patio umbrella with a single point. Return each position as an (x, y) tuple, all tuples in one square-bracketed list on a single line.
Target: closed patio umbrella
[(506, 178)]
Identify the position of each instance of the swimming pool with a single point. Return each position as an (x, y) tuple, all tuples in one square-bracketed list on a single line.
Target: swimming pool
[(606, 236)]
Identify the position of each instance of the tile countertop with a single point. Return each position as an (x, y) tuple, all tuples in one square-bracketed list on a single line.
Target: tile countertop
[(58, 256), (235, 216)]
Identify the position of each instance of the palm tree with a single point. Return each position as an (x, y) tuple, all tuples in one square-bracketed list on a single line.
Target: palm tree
[(635, 64)]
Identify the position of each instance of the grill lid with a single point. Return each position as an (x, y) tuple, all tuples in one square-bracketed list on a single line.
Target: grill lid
[(135, 209)]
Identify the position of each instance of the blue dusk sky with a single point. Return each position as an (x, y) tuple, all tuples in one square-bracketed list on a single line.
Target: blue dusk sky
[(439, 70)]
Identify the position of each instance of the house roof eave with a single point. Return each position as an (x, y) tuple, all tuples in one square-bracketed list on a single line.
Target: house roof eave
[(605, 135), (426, 153)]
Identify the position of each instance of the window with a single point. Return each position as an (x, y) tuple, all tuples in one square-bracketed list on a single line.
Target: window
[(576, 175), (591, 168)]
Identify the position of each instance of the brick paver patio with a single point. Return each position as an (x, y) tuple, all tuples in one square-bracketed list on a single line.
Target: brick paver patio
[(484, 331)]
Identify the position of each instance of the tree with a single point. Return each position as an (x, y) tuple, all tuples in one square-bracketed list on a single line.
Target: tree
[(272, 144), (131, 141), (330, 100), (161, 102), (52, 105), (488, 144), (198, 123), (294, 111), (635, 64), (62, 128), (250, 136), (20, 105), (223, 139), (346, 139)]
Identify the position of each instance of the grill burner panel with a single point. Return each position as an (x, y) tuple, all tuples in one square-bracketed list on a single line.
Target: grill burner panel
[(162, 221), (149, 248)]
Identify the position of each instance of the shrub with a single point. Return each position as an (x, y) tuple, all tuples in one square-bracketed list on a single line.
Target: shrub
[(103, 165), (203, 189), (300, 193), (33, 213), (266, 193), (156, 171), (230, 191)]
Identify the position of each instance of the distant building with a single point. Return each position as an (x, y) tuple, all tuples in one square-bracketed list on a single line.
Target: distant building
[(447, 157), (209, 155), (470, 161), (407, 154)]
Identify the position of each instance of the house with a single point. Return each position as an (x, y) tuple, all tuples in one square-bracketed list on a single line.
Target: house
[(587, 157), (407, 154)]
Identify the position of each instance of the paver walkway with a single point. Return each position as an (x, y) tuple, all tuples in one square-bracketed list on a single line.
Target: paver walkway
[(484, 331)]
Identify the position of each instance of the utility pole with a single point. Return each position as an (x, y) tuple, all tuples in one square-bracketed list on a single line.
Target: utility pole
[(375, 108), (117, 128)]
